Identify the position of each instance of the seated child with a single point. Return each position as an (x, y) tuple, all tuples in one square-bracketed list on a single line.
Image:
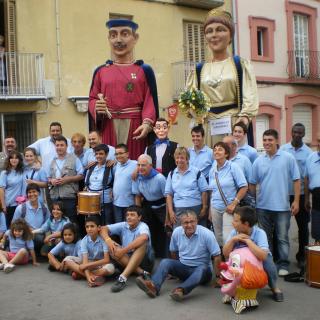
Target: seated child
[(135, 254), (94, 263), (3, 225), (67, 248), (53, 225), (246, 233), (20, 244)]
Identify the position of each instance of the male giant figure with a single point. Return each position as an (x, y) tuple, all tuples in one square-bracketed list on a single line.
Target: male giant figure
[(123, 96)]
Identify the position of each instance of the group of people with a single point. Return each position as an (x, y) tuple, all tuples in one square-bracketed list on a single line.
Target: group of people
[(190, 206)]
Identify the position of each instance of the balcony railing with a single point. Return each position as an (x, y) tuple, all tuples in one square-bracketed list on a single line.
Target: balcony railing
[(304, 65), (203, 4), (180, 72), (21, 75)]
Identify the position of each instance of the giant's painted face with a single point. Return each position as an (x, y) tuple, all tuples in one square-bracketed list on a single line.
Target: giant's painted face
[(241, 276)]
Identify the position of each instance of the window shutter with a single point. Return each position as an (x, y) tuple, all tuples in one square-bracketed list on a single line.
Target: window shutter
[(262, 124), (303, 114), (194, 47)]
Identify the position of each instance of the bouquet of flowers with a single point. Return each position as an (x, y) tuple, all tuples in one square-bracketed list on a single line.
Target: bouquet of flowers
[(195, 103)]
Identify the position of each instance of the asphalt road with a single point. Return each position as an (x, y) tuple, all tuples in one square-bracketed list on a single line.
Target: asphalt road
[(34, 293)]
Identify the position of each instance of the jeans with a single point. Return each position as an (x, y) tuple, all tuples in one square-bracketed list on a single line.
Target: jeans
[(302, 219), (315, 224), (279, 222), (107, 214), (191, 276), (119, 213), (271, 270)]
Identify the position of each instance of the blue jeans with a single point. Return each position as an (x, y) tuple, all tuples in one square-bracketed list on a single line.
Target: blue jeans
[(271, 270), (107, 214), (119, 213), (279, 222), (191, 276)]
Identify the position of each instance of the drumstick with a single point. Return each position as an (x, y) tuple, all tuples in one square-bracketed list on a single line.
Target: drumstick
[(109, 115)]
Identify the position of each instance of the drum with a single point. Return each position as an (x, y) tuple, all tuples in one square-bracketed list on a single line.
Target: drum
[(313, 266), (89, 203)]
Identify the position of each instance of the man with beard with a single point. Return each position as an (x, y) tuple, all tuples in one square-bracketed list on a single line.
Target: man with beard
[(123, 96), (46, 147)]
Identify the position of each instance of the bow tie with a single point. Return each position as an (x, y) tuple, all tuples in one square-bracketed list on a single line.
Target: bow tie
[(158, 142)]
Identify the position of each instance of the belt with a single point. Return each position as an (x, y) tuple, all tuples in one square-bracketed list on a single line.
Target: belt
[(158, 202), (218, 110), (125, 110)]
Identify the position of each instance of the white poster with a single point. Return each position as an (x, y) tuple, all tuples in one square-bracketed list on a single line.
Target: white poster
[(220, 126)]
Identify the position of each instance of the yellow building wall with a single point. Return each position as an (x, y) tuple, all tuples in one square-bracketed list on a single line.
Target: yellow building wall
[(84, 46)]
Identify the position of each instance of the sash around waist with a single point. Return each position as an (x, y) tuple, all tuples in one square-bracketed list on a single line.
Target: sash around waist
[(158, 202), (126, 113), (218, 110)]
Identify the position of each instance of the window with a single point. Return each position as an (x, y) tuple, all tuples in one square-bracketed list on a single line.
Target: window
[(262, 38), (262, 124), (193, 42), (301, 45), (18, 125)]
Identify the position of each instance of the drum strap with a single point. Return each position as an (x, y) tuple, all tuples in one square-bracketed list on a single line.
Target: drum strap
[(106, 174)]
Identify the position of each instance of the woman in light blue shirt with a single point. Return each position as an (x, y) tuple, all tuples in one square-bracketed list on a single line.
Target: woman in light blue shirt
[(228, 185), (11, 184)]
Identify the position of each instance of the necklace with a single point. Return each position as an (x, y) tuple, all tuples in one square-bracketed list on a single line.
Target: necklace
[(129, 87), (215, 82)]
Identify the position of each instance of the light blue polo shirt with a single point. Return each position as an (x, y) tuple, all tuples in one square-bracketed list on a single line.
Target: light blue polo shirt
[(244, 163), (151, 189), (15, 244), (127, 235), (185, 188), (249, 152), (258, 236), (54, 225), (66, 249), (3, 225), (90, 156), (34, 217), (95, 183), (203, 159), (273, 176), (231, 179), (122, 185), (94, 249), (60, 164), (312, 170), (81, 156), (13, 185), (39, 175), (301, 155), (196, 250)]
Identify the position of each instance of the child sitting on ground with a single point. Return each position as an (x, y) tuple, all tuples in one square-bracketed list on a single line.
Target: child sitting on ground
[(245, 232), (94, 264), (67, 248), (53, 226), (20, 244)]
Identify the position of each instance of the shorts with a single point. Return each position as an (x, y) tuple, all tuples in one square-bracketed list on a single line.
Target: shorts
[(107, 267), (11, 255)]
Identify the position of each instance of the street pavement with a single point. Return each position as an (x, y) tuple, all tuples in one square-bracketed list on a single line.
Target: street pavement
[(34, 293)]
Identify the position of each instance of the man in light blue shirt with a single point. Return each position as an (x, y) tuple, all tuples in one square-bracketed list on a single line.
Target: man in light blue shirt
[(272, 171), (239, 132), (195, 255), (122, 185), (149, 193), (89, 157), (46, 148), (135, 253), (201, 156), (312, 184), (300, 152)]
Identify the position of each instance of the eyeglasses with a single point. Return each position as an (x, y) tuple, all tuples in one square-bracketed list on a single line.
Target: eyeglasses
[(120, 153)]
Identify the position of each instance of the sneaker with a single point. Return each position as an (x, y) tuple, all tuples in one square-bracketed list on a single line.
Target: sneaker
[(146, 275), (1, 266), (283, 272), (177, 294), (147, 286), (8, 267), (118, 286)]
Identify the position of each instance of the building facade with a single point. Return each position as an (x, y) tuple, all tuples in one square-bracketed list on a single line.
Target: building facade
[(52, 48)]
